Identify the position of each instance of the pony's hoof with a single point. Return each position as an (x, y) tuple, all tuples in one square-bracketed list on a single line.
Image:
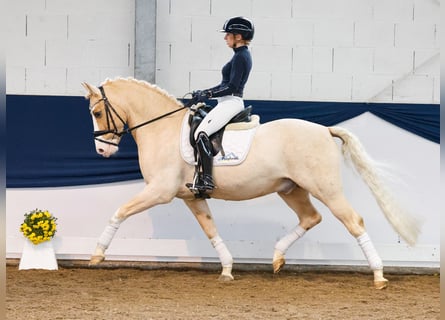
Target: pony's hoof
[(278, 265), (95, 260), (380, 284), (225, 278)]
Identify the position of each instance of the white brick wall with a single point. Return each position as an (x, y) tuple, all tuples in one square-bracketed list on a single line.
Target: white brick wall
[(335, 50), (373, 34), (53, 45)]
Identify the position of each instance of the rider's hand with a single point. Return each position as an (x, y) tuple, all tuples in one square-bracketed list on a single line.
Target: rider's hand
[(201, 95)]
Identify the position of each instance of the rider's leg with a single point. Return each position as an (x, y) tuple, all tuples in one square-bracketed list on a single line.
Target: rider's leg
[(218, 117), (205, 183)]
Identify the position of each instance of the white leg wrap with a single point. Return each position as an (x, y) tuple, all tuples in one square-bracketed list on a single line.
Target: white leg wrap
[(224, 255), (284, 243), (375, 263), (109, 232)]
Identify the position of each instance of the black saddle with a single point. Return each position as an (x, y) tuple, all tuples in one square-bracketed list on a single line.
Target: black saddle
[(198, 115)]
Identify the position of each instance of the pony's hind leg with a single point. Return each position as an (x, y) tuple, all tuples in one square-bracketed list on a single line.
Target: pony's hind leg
[(202, 213), (299, 201), (341, 209)]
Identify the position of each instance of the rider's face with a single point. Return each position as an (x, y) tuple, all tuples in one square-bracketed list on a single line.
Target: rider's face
[(232, 40)]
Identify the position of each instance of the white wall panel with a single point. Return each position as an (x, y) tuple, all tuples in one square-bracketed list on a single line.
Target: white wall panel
[(338, 33), (372, 88), (47, 26), (259, 85), (174, 80), (219, 53), (319, 9), (291, 32), (189, 7), (26, 6), (415, 35), (76, 75), (51, 80), (323, 37), (25, 52), (394, 10), (272, 9), (16, 79), (113, 72), (49, 38), (281, 85), (322, 59), (65, 53), (173, 29), (201, 79), (396, 61), (302, 59), (353, 60), (415, 89), (191, 56), (301, 88), (296, 86), (436, 88), (358, 10), (231, 8), (90, 26), (370, 33), (99, 35), (15, 25), (327, 86), (163, 55), (426, 61), (206, 31), (280, 57), (426, 10), (94, 7)]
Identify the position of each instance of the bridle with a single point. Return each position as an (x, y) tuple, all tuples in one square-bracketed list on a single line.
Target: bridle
[(111, 124)]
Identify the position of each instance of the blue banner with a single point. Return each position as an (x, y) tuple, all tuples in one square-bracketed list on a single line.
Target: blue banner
[(50, 141)]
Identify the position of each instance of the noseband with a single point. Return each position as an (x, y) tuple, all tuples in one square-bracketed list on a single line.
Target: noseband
[(111, 124)]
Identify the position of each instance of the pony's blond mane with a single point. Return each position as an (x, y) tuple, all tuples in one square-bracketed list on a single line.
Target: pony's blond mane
[(144, 84)]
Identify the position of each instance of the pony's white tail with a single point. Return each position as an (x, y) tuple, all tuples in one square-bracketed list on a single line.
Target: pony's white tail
[(406, 225)]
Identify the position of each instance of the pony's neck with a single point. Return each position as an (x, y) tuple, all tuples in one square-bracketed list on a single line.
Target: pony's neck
[(142, 101)]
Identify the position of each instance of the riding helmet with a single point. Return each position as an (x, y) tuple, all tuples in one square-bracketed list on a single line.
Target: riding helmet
[(239, 25)]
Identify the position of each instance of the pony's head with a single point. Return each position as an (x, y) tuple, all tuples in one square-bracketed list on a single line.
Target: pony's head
[(108, 123)]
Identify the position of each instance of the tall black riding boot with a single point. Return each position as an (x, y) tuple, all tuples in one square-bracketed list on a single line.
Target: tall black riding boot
[(205, 183)]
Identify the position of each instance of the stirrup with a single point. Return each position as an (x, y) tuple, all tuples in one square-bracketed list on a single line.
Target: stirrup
[(200, 186), (205, 183)]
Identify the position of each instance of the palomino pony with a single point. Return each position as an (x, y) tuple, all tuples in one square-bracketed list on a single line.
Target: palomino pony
[(292, 157)]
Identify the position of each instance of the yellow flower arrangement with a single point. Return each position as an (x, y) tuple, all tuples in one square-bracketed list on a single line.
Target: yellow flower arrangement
[(39, 226)]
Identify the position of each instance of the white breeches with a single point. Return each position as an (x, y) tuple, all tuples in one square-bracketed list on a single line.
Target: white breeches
[(220, 115)]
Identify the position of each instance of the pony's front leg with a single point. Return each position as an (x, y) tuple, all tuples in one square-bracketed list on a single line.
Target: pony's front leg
[(105, 239), (146, 199), (201, 210)]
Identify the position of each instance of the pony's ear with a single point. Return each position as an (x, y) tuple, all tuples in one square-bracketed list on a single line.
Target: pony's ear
[(91, 90)]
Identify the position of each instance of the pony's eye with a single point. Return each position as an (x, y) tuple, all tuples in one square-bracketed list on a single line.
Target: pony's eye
[(97, 114)]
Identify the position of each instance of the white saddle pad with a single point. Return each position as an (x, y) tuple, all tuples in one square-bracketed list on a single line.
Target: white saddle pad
[(236, 143)]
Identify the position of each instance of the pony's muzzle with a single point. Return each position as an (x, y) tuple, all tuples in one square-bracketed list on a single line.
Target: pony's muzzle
[(106, 148)]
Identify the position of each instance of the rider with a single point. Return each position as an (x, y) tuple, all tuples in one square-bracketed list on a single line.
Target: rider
[(239, 32)]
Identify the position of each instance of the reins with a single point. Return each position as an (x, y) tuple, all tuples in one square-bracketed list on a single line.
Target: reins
[(109, 110)]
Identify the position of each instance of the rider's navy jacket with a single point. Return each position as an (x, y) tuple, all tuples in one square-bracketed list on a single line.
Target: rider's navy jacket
[(234, 74)]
